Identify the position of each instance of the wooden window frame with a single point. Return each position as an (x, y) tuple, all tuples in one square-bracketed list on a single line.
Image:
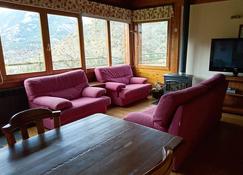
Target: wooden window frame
[(15, 79), (108, 41), (128, 49), (138, 48)]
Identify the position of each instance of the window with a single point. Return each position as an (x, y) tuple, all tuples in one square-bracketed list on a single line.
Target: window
[(153, 43), (119, 42), (21, 39), (95, 42), (65, 44)]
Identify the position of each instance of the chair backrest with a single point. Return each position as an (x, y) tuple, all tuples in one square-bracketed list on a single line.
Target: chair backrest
[(22, 119), (165, 166)]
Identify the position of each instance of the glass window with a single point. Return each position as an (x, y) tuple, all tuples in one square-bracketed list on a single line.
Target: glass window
[(154, 43), (65, 44), (119, 42), (21, 38), (95, 42)]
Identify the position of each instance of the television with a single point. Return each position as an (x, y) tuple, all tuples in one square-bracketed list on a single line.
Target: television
[(227, 55)]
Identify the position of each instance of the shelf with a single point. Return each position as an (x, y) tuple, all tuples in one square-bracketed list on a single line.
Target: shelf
[(233, 109), (236, 95), (232, 78)]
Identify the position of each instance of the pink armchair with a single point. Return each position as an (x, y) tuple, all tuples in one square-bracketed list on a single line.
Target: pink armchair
[(68, 92), (121, 86)]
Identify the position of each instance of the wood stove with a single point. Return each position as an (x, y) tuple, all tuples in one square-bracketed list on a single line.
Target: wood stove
[(174, 82)]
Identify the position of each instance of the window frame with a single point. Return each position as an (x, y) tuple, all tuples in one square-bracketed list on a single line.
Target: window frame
[(108, 40), (138, 46), (77, 16), (17, 79), (12, 79), (127, 59)]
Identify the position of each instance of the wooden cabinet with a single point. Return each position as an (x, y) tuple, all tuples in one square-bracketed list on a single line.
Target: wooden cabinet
[(233, 103)]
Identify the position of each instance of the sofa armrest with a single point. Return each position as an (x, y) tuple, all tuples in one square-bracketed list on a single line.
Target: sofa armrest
[(93, 92), (138, 80), (54, 103), (114, 86)]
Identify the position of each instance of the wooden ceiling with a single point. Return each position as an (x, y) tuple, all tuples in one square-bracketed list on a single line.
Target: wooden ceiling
[(139, 4)]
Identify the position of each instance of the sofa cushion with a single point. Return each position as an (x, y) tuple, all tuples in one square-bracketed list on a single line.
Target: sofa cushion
[(114, 86), (54, 103), (69, 93), (84, 106), (93, 92), (169, 103), (144, 118), (67, 85), (134, 90), (138, 80), (120, 74)]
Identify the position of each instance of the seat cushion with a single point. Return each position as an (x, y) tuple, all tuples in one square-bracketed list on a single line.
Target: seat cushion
[(84, 106), (144, 118), (134, 90)]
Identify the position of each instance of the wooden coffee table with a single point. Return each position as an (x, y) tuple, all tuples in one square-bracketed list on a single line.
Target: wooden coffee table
[(98, 144)]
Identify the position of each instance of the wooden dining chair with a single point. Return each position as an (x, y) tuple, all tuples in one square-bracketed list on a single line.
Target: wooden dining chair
[(22, 119), (165, 166)]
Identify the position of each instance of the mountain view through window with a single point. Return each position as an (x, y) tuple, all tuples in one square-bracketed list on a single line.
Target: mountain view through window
[(21, 38)]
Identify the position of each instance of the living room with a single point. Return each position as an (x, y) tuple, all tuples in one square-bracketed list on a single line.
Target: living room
[(78, 60)]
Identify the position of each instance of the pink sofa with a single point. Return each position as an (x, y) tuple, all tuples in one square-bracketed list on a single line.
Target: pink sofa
[(189, 113), (121, 86), (68, 92)]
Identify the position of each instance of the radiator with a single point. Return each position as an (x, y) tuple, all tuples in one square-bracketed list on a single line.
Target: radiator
[(11, 101)]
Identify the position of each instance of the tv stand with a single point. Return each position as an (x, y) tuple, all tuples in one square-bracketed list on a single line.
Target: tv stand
[(233, 102)]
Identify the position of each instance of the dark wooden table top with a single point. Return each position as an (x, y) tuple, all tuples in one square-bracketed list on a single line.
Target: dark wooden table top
[(98, 144)]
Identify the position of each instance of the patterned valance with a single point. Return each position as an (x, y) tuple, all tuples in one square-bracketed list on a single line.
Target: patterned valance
[(153, 14), (80, 6), (107, 11), (102, 10)]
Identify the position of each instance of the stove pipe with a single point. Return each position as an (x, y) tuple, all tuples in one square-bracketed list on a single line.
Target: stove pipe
[(184, 36)]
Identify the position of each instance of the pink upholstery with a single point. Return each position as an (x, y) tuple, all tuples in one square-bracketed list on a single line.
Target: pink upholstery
[(93, 92), (138, 80), (121, 86), (190, 113), (172, 100), (55, 103), (68, 92), (114, 86)]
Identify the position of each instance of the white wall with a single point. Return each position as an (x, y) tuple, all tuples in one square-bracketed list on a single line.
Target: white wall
[(207, 21)]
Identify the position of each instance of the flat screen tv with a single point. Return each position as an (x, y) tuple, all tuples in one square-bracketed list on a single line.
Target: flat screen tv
[(227, 55)]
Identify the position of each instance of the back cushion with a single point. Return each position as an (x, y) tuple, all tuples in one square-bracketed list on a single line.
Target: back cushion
[(67, 85), (170, 102), (120, 74)]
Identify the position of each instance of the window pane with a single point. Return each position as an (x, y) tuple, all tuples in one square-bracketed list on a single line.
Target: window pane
[(154, 43), (119, 42), (65, 44), (20, 33), (95, 35)]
